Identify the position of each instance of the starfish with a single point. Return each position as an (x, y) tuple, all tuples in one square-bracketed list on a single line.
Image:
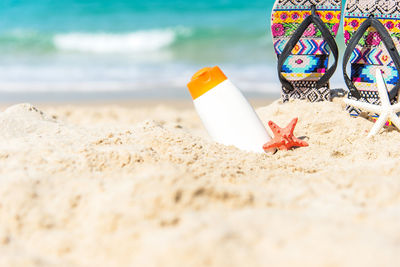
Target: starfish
[(386, 110), (283, 137)]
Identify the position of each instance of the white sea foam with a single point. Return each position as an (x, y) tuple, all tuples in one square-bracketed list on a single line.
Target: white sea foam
[(134, 42)]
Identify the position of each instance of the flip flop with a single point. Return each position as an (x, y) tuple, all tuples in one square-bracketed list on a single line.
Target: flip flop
[(371, 33), (303, 33)]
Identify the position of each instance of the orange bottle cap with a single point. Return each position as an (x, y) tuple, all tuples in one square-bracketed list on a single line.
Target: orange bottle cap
[(204, 80)]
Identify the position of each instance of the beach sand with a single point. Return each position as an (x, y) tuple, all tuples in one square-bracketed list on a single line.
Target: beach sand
[(136, 185)]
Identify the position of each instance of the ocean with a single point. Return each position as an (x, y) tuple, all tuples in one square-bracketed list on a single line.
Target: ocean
[(104, 49)]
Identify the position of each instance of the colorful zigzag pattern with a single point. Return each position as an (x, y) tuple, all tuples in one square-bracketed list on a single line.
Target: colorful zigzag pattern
[(370, 56), (304, 47)]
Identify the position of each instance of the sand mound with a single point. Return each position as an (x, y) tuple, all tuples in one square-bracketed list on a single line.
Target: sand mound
[(113, 186)]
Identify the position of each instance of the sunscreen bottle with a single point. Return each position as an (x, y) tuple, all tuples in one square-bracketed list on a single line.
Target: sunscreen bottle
[(225, 112)]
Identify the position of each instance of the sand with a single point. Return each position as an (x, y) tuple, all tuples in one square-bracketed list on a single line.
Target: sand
[(145, 186)]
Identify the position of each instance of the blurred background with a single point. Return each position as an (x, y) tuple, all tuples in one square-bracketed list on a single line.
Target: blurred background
[(70, 50)]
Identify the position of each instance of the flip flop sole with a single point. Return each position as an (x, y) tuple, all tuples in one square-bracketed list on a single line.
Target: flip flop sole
[(309, 59), (370, 53)]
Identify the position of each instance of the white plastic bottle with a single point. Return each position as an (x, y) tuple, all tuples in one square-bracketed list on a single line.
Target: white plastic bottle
[(225, 112)]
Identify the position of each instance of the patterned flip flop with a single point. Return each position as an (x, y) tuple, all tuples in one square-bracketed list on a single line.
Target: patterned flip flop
[(371, 33), (303, 33)]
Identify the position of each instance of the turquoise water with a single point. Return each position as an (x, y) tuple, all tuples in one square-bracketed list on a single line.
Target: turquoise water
[(133, 46)]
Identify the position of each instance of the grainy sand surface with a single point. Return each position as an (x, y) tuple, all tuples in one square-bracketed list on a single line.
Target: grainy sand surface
[(119, 185)]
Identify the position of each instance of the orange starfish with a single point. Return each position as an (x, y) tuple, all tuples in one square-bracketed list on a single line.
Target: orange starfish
[(283, 137)]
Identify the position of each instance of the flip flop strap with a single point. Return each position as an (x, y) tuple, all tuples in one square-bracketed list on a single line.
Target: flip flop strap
[(313, 18), (387, 41)]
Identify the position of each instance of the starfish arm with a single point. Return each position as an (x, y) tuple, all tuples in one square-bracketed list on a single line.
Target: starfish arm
[(292, 125), (378, 124), (362, 105), (382, 89), (299, 142), (395, 120), (273, 144), (274, 128)]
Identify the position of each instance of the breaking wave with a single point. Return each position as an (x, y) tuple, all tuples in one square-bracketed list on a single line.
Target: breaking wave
[(134, 42)]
